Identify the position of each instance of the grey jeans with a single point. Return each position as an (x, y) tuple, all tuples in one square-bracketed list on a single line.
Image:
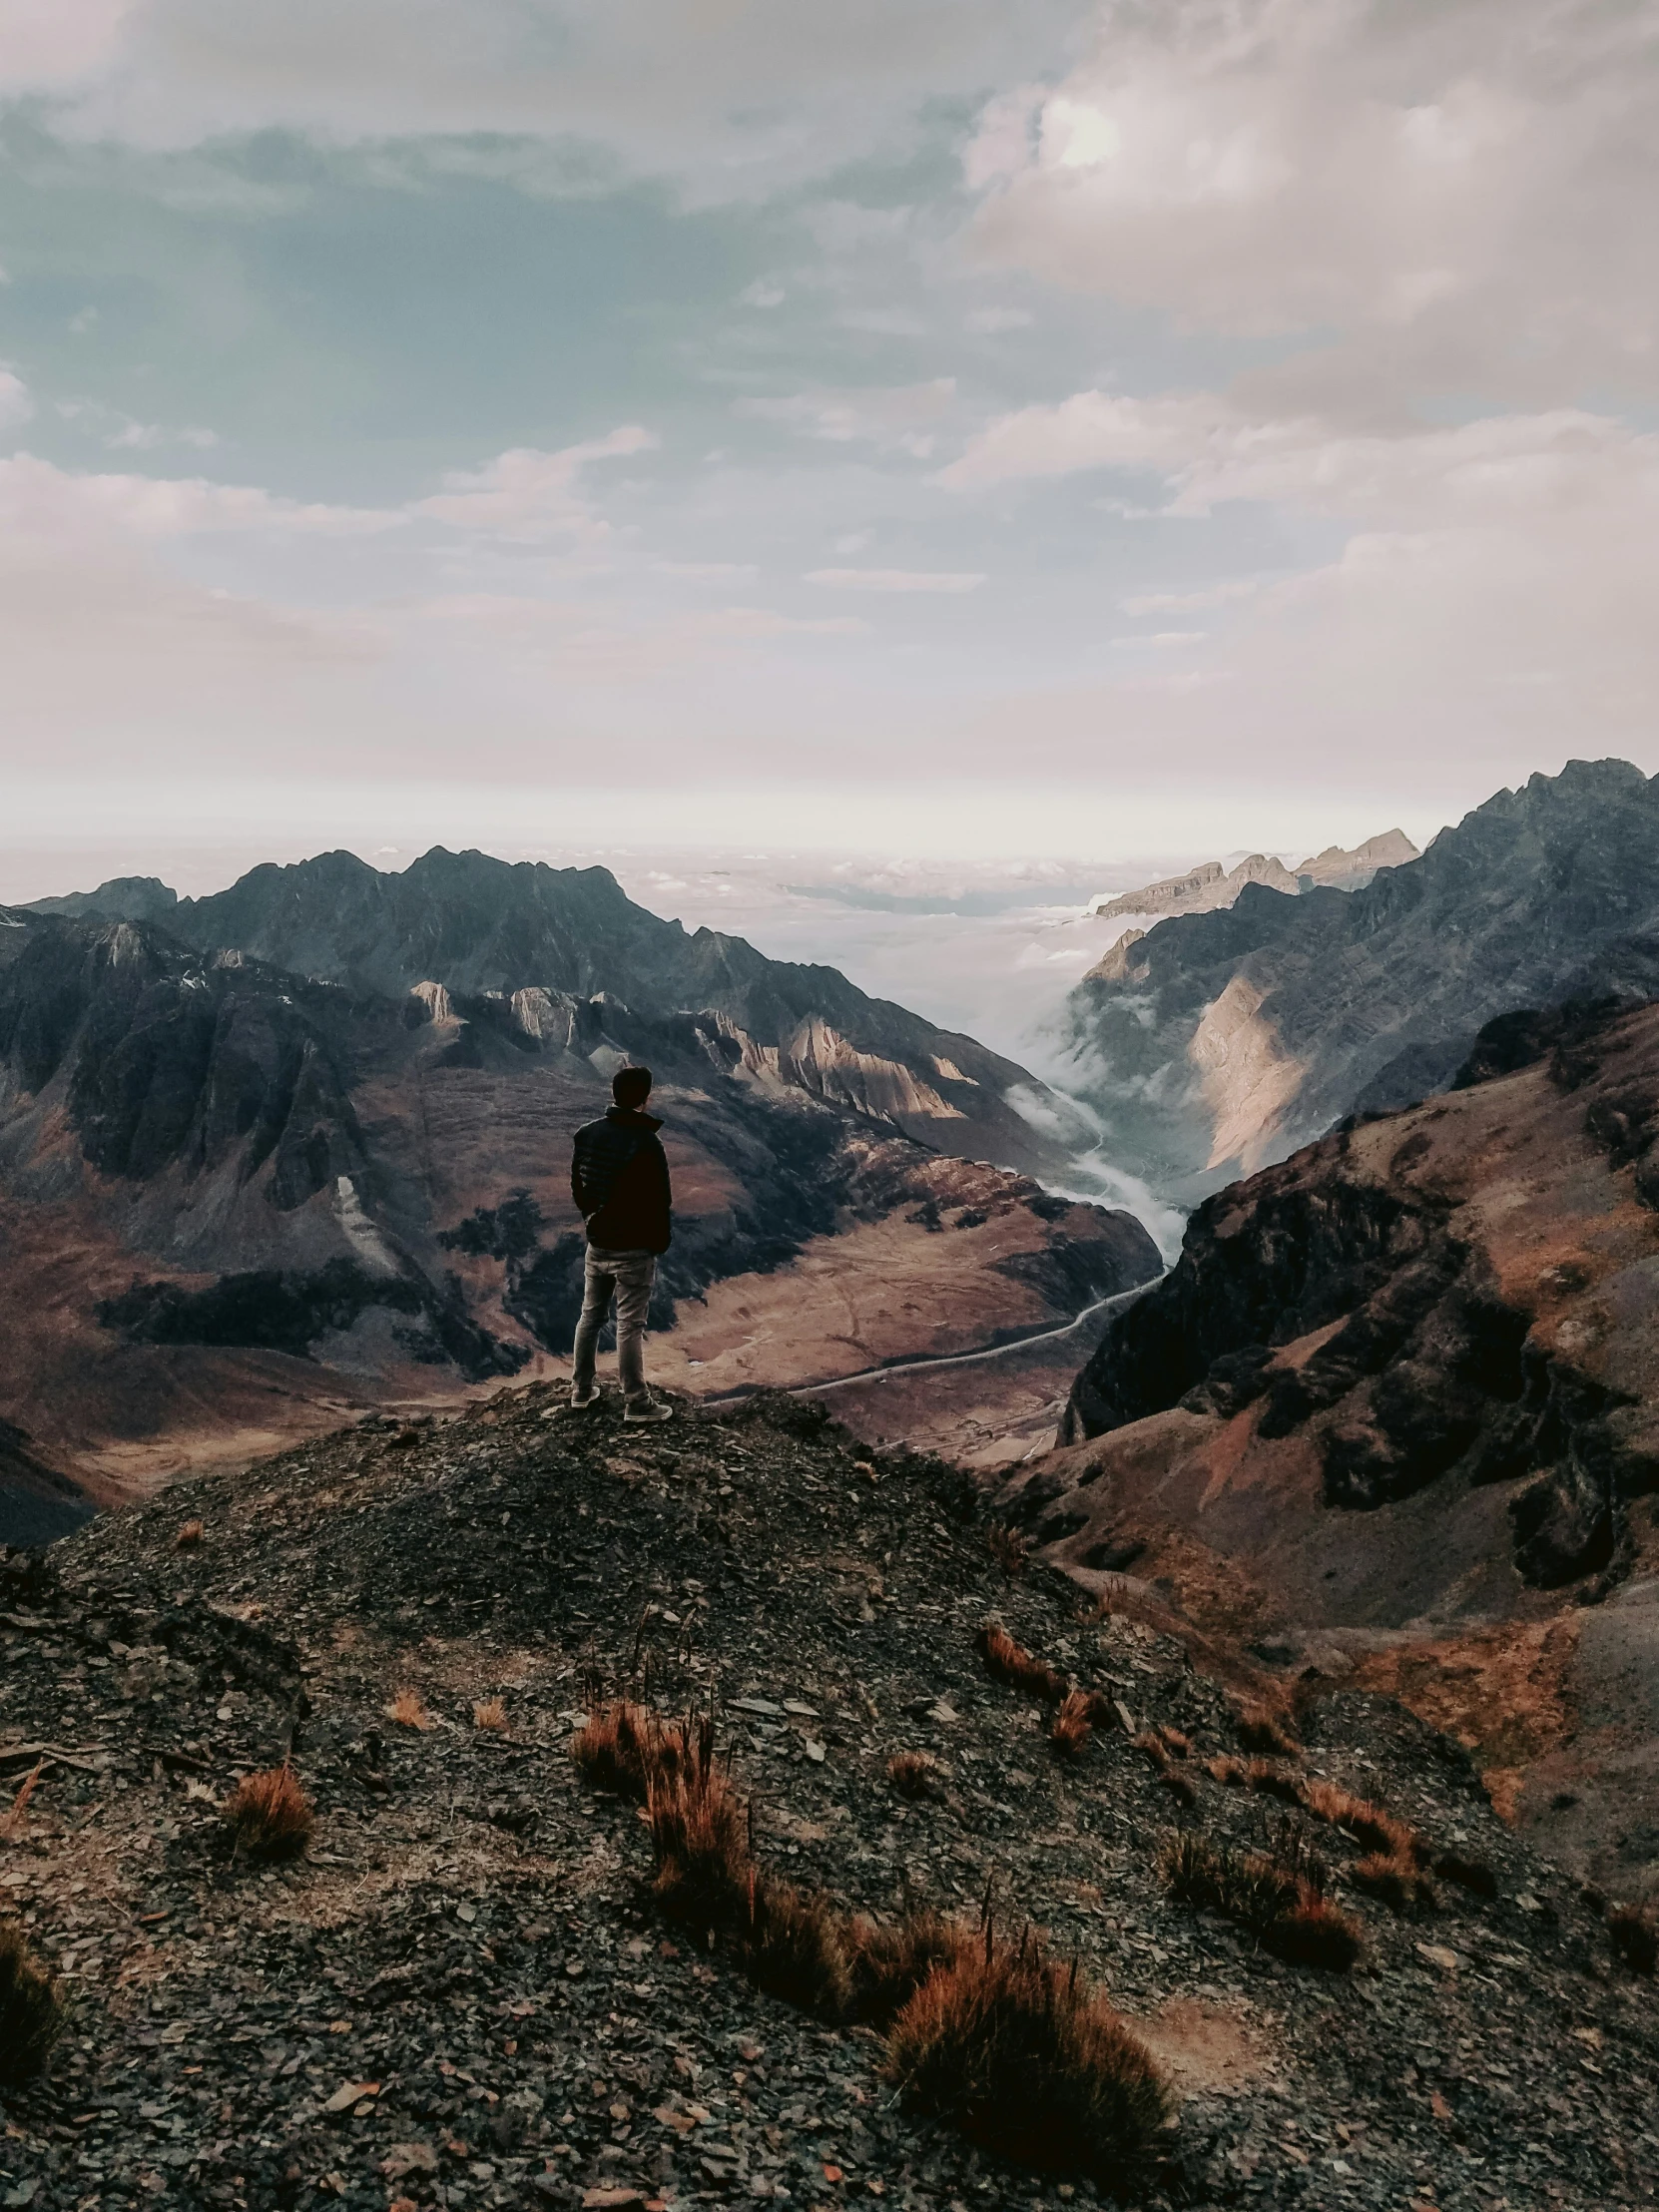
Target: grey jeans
[(630, 1275)]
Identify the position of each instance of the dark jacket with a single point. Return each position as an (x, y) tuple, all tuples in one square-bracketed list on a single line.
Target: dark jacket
[(619, 1180)]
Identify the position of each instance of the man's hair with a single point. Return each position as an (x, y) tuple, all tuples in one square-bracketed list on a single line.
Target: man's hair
[(631, 1087)]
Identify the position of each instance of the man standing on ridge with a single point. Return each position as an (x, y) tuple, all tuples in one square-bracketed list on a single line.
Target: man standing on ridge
[(619, 1180)]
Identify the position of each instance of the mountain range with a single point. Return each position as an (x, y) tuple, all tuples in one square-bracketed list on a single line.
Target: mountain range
[(303, 1146), (1219, 1042)]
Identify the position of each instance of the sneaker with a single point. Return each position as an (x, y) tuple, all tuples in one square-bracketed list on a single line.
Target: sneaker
[(646, 1408), (579, 1400)]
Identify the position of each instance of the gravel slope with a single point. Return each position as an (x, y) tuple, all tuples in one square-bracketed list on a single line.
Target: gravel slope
[(461, 1996)]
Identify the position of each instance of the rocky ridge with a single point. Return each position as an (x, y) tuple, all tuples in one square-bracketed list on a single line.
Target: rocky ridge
[(462, 1995), (1218, 1042)]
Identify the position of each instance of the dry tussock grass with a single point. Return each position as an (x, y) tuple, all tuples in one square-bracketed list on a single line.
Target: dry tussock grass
[(1155, 1745), (191, 1532), (32, 2008), (1634, 1934), (1234, 1773), (1028, 2060), (17, 1818), (1274, 1781), (1007, 1661), (1259, 1730), (407, 1710), (1019, 2053), (621, 1745), (914, 1774), (1279, 1896), (795, 1948), (1367, 1824), (1316, 1932), (491, 1713), (1072, 1725), (269, 1816), (700, 1831), (1398, 1883), (892, 1960)]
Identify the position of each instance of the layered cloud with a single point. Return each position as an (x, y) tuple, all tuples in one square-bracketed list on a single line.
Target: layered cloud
[(1454, 181), (1190, 393), (731, 99), (526, 494)]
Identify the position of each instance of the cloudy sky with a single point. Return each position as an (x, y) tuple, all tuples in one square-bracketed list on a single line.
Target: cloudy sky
[(935, 424)]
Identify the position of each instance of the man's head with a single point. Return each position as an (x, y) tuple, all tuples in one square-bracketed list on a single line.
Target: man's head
[(631, 1087)]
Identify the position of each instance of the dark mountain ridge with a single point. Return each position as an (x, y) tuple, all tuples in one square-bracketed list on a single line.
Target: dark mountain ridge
[(1223, 1040)]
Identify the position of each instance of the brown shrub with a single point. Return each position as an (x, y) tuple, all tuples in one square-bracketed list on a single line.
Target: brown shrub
[(621, 1745), (795, 1948), (1235, 1773), (1175, 1743), (914, 1774), (1403, 1887), (1007, 1661), (1008, 1547), (32, 2009), (407, 1711), (1072, 1726), (1025, 2059), (269, 1816), (1259, 1731), (892, 1962), (1473, 1874), (1634, 1934), (699, 1830), (191, 1532), (1151, 1748), (1367, 1824), (491, 1713)]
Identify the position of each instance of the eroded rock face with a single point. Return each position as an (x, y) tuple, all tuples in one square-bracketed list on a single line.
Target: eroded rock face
[(1221, 1041)]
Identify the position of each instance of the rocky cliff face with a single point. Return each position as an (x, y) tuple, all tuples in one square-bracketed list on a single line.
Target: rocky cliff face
[(1399, 1399), (1219, 1042), (236, 1198)]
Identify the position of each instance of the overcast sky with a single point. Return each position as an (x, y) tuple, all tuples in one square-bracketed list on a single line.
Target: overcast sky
[(921, 423)]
